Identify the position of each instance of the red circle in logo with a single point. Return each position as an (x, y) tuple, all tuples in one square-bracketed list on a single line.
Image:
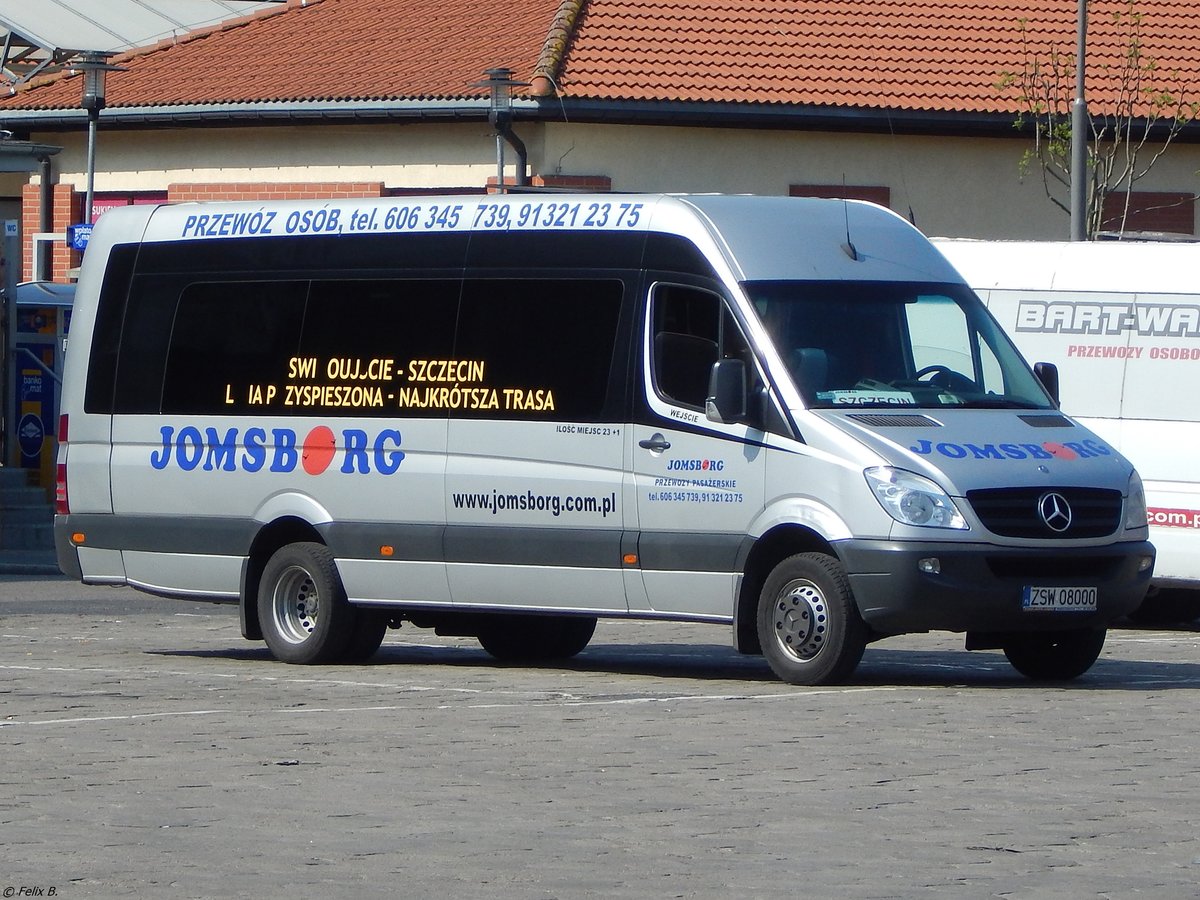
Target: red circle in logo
[(317, 452), (1060, 451)]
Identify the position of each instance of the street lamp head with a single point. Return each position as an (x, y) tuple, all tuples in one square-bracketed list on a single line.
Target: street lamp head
[(95, 67), (500, 83)]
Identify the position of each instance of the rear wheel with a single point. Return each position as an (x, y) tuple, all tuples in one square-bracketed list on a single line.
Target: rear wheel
[(302, 606), (808, 623), (1055, 655), (533, 638)]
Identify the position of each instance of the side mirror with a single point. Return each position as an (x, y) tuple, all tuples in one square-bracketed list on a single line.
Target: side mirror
[(1047, 374), (726, 401)]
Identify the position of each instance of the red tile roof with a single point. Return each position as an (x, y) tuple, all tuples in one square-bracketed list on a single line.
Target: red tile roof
[(907, 55), (941, 55), (326, 50)]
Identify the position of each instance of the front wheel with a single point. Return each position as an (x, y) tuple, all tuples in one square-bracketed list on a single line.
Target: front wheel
[(1055, 655), (808, 623), (302, 606)]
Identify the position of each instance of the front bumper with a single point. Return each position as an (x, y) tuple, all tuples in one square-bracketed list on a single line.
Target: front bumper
[(979, 586)]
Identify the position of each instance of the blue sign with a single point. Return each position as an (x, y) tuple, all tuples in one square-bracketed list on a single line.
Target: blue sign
[(30, 435), (78, 235)]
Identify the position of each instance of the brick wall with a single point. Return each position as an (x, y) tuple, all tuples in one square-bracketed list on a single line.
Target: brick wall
[(591, 184), (67, 210), (265, 190)]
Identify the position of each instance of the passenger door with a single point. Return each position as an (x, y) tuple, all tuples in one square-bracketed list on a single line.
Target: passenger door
[(699, 484)]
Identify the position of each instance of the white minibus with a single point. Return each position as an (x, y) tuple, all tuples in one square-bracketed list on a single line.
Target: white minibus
[(1121, 321), (509, 416)]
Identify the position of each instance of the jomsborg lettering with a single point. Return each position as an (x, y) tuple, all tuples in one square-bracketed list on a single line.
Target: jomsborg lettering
[(1048, 450), (210, 451)]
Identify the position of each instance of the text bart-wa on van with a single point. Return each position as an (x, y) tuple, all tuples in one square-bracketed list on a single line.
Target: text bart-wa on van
[(507, 417)]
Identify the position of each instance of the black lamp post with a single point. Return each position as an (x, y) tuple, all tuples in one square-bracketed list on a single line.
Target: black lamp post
[(500, 84), (95, 67), (1079, 133)]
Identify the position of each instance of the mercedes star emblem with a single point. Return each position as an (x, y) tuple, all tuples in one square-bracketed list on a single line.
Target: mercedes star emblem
[(1055, 511)]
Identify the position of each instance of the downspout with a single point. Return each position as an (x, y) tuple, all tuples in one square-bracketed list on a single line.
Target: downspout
[(517, 144), (45, 216)]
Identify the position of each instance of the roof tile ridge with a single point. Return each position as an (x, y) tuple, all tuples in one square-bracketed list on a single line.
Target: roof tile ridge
[(554, 49)]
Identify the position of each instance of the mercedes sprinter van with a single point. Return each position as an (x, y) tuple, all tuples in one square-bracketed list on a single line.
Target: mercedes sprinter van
[(509, 416)]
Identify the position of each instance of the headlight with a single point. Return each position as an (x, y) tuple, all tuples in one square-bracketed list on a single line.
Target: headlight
[(912, 499), (1135, 503)]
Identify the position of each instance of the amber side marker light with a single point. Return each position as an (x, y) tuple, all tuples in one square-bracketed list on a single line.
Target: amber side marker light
[(387, 550), (630, 559), (78, 538)]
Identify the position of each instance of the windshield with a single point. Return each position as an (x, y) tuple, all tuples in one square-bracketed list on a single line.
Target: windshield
[(886, 344)]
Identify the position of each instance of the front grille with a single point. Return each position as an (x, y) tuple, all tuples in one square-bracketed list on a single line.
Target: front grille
[(1014, 512)]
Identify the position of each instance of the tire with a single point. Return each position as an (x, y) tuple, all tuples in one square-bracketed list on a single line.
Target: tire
[(1055, 655), (302, 606), (369, 629), (808, 623), (535, 638)]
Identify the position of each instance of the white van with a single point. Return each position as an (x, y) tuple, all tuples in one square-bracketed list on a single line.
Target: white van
[(508, 416), (1121, 320)]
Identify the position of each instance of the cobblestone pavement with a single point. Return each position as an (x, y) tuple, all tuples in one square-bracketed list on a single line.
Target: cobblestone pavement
[(148, 750)]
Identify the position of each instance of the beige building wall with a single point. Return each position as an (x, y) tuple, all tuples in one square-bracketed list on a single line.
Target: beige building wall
[(953, 186)]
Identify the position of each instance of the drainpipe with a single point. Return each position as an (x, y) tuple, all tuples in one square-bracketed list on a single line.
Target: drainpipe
[(45, 217), (517, 144)]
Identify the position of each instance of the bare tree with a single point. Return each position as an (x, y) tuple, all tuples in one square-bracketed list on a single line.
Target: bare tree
[(1135, 115)]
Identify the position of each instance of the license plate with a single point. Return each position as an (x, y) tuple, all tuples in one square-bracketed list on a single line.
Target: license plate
[(1058, 599)]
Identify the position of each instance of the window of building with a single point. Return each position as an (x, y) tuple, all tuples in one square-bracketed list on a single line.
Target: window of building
[(1170, 211), (871, 192)]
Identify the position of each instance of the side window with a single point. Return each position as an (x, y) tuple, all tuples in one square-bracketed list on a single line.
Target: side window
[(690, 330), (230, 343), (106, 334), (375, 347), (332, 347), (539, 348), (145, 335)]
